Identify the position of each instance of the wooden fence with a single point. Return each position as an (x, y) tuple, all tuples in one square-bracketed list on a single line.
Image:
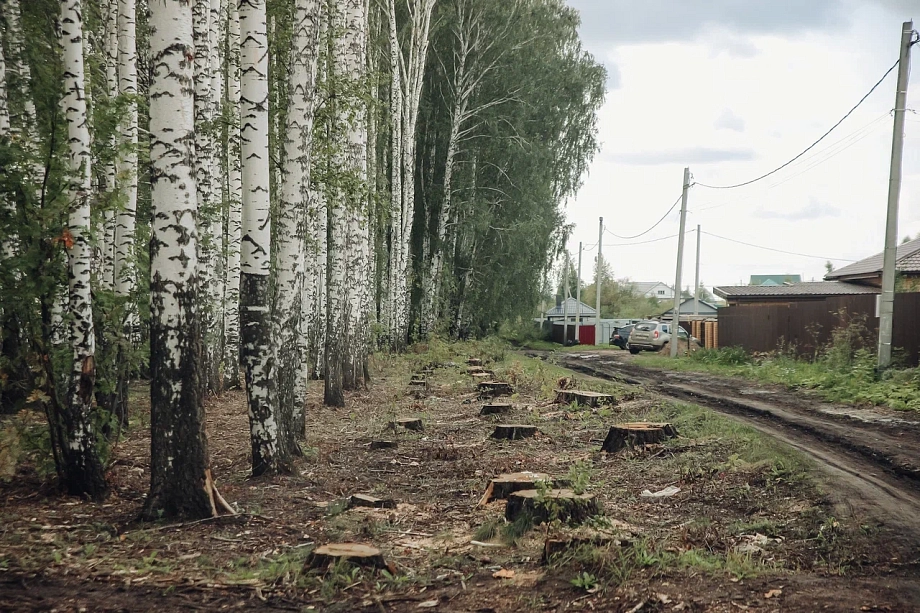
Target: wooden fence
[(806, 325)]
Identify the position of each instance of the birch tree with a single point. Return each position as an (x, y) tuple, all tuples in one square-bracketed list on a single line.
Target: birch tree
[(72, 432), (354, 44), (181, 483), (293, 219), (4, 97), (234, 203), (107, 247), (408, 72), (126, 164), (257, 351)]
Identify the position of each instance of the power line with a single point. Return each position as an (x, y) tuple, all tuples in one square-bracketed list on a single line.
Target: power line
[(811, 146), (653, 240), (804, 255), (655, 225)]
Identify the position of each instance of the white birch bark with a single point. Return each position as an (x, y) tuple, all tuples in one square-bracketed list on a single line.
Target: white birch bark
[(234, 203), (4, 98), (126, 164), (217, 278), (396, 207), (412, 66), (107, 246), (77, 440), (181, 483), (354, 118), (22, 116), (257, 352), (293, 228)]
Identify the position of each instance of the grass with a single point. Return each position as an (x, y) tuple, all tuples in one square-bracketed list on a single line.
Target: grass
[(854, 381)]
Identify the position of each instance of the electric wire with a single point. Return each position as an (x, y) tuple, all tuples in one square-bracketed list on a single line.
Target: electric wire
[(804, 255), (811, 146), (655, 225)]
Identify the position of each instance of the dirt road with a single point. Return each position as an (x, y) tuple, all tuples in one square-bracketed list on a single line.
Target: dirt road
[(872, 455)]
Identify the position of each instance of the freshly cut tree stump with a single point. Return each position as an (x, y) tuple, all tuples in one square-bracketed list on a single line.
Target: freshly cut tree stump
[(383, 445), (633, 434), (503, 485), (482, 376), (583, 398), (363, 500), (474, 362), (495, 388), (514, 432), (354, 553), (495, 409), (478, 370), (564, 505), (409, 423)]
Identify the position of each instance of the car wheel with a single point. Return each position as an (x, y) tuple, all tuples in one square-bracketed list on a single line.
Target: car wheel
[(633, 350)]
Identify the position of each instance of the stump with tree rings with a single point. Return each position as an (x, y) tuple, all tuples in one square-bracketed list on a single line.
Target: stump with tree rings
[(353, 553), (503, 486), (631, 435), (474, 362), (409, 423), (548, 505), (514, 432)]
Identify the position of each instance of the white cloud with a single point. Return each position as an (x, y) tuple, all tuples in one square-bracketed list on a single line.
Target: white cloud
[(729, 121)]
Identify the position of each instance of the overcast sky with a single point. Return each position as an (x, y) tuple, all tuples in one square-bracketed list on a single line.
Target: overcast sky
[(733, 89)]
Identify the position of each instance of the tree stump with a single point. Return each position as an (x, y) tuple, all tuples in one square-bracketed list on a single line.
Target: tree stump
[(564, 505), (633, 434), (363, 500), (354, 553), (482, 376), (383, 445), (495, 409), (474, 362), (408, 423), (583, 398), (503, 485), (514, 432), (479, 370), (491, 389)]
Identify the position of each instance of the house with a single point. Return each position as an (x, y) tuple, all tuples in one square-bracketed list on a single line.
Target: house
[(869, 270), (653, 289), (706, 309), (557, 313), (787, 294), (775, 279)]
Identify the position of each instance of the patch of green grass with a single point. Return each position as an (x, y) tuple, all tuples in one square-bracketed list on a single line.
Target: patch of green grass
[(834, 378)]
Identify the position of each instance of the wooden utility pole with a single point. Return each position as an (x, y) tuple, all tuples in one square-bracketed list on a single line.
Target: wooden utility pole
[(565, 300), (578, 298), (675, 321), (696, 293), (597, 280), (886, 308)]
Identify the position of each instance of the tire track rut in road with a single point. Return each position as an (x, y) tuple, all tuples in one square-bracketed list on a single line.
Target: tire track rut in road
[(872, 464)]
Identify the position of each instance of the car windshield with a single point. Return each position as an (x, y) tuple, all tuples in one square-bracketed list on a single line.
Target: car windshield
[(646, 327)]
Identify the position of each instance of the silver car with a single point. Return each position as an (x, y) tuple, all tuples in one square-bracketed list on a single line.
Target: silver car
[(652, 336)]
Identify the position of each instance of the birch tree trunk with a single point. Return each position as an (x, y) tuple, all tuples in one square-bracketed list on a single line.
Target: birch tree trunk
[(408, 71), (81, 472), (107, 269), (204, 155), (337, 220), (234, 204), (21, 115), (292, 221), (4, 98), (354, 44), (126, 164), (217, 279), (180, 477), (257, 351)]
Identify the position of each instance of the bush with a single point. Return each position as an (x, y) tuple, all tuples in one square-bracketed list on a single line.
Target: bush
[(725, 356)]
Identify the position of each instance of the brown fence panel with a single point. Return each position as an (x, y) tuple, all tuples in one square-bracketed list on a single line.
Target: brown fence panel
[(906, 327)]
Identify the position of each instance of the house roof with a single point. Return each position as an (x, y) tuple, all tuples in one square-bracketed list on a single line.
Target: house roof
[(559, 311), (809, 288), (908, 260), (644, 287), (775, 279), (690, 302)]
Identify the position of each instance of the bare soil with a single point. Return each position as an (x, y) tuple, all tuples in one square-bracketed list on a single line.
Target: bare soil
[(753, 528)]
